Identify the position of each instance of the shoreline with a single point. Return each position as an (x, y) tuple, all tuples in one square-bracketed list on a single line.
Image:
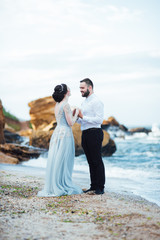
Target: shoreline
[(109, 216), (79, 177)]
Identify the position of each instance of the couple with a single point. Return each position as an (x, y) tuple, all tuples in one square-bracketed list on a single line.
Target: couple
[(62, 149)]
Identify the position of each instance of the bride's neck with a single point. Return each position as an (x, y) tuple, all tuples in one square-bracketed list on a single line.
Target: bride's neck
[(65, 99)]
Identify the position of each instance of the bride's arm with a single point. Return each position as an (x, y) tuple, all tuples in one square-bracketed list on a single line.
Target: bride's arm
[(69, 116)]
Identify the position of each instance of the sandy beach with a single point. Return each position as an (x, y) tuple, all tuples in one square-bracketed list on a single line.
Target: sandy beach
[(23, 215)]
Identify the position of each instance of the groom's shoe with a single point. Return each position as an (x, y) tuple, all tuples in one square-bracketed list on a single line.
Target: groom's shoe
[(99, 191), (89, 190)]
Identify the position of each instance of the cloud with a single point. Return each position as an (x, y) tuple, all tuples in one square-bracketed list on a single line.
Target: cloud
[(122, 14), (44, 43)]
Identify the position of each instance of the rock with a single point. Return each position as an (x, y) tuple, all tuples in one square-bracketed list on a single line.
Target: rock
[(139, 130), (25, 133), (42, 112), (12, 137), (40, 139), (105, 144), (4, 158), (123, 128), (111, 121), (113, 125), (22, 153), (109, 149), (77, 133), (2, 124)]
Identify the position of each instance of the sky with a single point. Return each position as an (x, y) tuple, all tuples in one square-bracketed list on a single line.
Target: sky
[(115, 43)]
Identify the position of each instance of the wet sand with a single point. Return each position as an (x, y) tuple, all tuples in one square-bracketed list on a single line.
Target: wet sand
[(23, 215)]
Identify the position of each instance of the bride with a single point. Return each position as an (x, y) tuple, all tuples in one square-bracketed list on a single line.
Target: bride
[(61, 149)]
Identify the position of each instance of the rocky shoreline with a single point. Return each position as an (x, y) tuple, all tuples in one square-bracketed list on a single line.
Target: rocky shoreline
[(111, 216), (43, 123)]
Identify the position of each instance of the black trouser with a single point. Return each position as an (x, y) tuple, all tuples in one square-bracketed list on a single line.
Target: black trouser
[(92, 142)]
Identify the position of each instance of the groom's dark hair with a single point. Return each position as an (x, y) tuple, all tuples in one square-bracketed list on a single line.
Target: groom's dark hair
[(87, 81)]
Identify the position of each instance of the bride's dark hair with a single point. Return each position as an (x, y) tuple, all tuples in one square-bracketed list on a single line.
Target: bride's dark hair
[(59, 92)]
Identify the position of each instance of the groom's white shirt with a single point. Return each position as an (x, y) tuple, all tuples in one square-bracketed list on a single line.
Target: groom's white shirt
[(93, 113)]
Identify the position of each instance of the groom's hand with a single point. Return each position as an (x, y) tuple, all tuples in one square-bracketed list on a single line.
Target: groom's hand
[(80, 115)]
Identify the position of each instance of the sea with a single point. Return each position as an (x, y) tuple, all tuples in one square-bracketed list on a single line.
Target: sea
[(133, 169)]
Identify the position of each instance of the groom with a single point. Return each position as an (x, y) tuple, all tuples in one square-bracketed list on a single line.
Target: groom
[(91, 118)]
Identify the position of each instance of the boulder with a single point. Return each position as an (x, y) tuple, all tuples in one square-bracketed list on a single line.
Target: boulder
[(4, 158), (112, 124), (12, 137), (139, 130), (2, 124), (77, 133), (40, 139), (42, 112), (123, 128), (109, 149), (25, 133), (111, 121), (22, 153)]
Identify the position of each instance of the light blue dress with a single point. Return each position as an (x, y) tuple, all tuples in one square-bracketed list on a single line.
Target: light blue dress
[(60, 162)]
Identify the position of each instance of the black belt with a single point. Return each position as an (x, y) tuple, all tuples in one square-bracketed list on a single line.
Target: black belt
[(90, 129)]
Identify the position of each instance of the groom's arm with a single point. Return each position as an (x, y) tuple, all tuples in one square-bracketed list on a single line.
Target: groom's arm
[(98, 114)]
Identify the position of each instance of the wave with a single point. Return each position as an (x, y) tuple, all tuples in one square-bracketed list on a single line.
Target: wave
[(154, 134)]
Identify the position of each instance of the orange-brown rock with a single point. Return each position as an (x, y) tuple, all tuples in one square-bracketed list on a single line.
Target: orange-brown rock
[(139, 130), (40, 139), (2, 124), (22, 153), (77, 138), (111, 121), (25, 133), (4, 158), (42, 112)]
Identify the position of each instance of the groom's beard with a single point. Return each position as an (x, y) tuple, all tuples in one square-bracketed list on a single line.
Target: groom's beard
[(86, 94)]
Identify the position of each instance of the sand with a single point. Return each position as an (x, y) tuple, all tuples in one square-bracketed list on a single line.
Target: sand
[(23, 215)]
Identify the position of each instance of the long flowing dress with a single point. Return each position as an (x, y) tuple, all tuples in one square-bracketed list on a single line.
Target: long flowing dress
[(61, 157)]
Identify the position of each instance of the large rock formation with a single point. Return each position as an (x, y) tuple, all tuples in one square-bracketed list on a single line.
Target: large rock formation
[(42, 112), (2, 123)]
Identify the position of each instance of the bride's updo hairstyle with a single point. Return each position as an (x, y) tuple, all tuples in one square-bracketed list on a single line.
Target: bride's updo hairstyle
[(59, 92)]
